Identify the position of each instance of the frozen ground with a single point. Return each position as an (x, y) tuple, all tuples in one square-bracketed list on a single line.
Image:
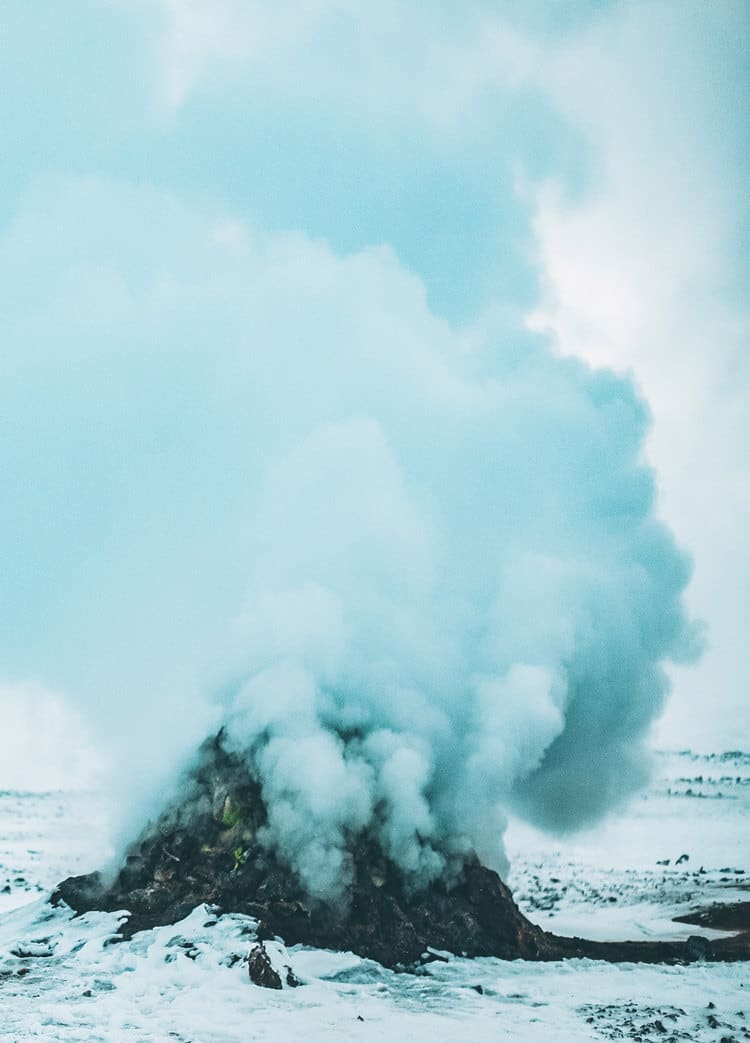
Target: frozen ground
[(68, 979)]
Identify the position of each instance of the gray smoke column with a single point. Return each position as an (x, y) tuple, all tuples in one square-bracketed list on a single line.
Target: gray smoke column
[(414, 571)]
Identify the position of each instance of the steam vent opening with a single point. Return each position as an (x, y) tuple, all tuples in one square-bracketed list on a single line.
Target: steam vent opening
[(207, 847)]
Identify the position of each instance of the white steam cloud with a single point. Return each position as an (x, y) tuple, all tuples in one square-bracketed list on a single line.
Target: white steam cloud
[(414, 572)]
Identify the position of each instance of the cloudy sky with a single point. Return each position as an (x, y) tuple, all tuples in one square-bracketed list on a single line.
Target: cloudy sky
[(575, 171)]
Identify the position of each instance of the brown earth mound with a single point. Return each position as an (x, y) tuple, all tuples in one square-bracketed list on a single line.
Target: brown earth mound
[(204, 848)]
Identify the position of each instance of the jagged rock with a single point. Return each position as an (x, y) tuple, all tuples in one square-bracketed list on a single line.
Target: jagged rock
[(204, 849), (268, 966), (261, 970), (291, 978)]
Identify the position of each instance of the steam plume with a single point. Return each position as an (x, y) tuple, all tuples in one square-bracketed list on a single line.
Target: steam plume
[(414, 571)]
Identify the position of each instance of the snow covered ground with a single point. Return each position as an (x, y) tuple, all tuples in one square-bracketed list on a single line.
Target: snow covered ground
[(684, 843)]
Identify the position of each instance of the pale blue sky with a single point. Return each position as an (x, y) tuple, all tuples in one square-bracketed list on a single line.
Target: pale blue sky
[(81, 95)]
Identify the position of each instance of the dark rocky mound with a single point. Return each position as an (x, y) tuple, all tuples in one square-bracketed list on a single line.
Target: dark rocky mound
[(204, 848), (733, 916)]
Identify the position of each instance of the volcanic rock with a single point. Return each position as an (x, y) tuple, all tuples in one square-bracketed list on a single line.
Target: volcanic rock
[(205, 848), (734, 916), (261, 969)]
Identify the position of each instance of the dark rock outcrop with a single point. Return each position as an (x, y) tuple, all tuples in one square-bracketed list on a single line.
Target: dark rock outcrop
[(205, 848), (261, 970), (270, 973), (734, 916)]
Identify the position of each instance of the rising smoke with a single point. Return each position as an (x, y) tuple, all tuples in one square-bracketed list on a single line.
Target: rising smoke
[(414, 572)]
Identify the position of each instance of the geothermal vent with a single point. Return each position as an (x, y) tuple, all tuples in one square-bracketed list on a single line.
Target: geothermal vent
[(204, 848)]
